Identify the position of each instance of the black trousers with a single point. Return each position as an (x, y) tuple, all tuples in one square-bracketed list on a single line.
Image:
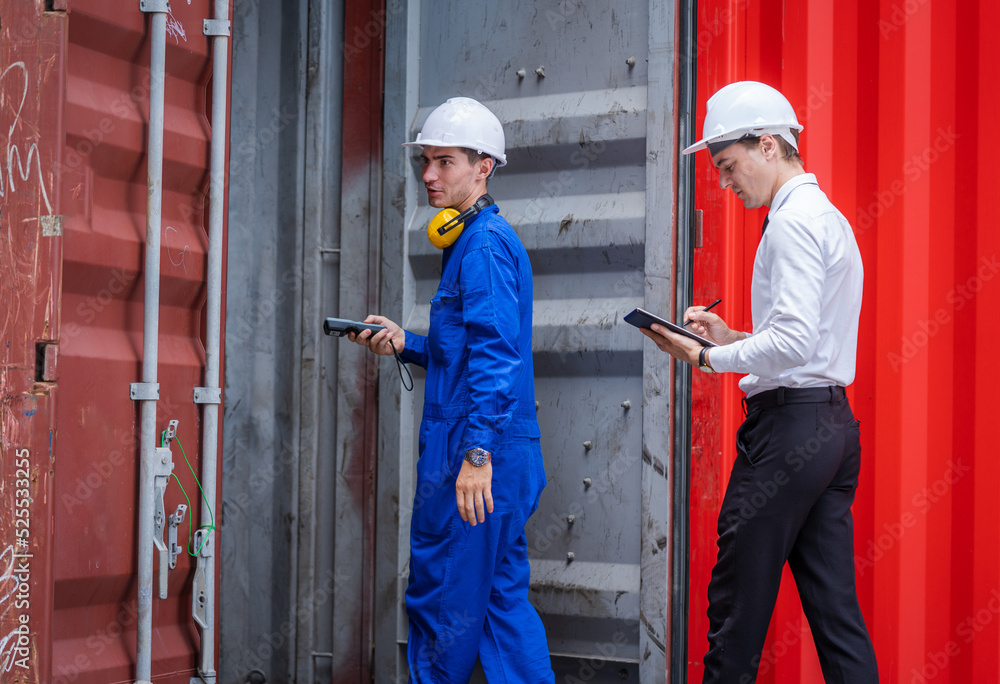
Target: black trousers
[(789, 499)]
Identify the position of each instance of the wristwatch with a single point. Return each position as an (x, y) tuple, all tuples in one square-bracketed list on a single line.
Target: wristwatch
[(477, 457), (703, 363)]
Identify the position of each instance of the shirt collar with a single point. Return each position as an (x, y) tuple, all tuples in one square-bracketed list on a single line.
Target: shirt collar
[(791, 184)]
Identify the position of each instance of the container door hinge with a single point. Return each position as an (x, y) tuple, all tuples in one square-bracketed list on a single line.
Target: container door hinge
[(162, 468), (154, 6), (144, 391), (199, 588), (208, 395), (217, 27), (174, 548)]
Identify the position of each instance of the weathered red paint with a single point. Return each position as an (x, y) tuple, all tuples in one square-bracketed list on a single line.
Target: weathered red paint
[(73, 295), (364, 69), (896, 98)]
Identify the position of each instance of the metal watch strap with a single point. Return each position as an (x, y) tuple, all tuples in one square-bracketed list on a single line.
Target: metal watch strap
[(477, 456)]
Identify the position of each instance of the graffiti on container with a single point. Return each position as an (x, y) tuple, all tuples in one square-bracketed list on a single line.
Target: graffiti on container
[(15, 160), (175, 28), (8, 586), (176, 256)]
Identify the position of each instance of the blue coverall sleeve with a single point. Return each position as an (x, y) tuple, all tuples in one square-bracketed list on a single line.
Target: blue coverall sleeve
[(415, 349), (490, 284)]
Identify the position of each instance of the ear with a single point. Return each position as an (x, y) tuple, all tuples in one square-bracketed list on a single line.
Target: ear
[(769, 146), (484, 168)]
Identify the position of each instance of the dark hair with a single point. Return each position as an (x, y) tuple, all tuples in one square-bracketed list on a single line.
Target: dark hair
[(787, 151), (475, 156)]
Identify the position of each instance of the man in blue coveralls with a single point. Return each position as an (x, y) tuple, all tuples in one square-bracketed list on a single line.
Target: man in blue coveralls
[(480, 470)]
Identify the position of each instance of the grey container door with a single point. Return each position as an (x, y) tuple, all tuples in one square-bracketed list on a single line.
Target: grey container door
[(586, 95)]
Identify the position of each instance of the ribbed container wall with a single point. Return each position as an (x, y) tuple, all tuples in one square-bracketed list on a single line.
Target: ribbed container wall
[(81, 72), (895, 97)]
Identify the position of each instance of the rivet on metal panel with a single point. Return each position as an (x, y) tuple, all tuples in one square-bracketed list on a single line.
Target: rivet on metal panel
[(570, 556), (217, 27), (144, 391), (521, 73), (52, 225), (540, 71), (570, 519), (627, 404), (588, 445), (630, 61), (587, 482)]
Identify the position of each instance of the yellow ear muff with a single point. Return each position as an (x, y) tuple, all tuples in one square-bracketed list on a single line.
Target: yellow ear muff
[(443, 229)]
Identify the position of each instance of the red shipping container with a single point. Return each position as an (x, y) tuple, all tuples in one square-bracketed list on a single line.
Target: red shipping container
[(895, 97)]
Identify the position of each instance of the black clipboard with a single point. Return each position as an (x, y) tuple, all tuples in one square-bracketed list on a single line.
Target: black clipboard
[(641, 318)]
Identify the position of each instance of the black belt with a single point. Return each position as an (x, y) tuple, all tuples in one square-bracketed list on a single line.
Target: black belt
[(793, 395)]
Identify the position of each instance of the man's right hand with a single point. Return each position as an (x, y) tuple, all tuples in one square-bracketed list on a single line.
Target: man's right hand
[(379, 342), (711, 326)]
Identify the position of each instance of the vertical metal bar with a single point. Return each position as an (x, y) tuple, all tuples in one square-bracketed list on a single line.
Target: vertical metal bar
[(219, 32), (150, 334), (687, 46)]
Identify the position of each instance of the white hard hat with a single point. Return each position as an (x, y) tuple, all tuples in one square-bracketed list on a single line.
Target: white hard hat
[(463, 122), (747, 108)]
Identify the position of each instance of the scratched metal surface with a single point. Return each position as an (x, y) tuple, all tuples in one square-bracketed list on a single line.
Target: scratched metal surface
[(585, 94), (77, 296), (31, 60)]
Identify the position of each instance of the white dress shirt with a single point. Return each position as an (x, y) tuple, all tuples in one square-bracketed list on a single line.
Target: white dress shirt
[(805, 297)]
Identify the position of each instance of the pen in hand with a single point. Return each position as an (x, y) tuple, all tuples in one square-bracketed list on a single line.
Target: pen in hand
[(717, 301)]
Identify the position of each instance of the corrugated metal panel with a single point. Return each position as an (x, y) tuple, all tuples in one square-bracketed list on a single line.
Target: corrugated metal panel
[(87, 114), (298, 535), (896, 98), (263, 333), (585, 93)]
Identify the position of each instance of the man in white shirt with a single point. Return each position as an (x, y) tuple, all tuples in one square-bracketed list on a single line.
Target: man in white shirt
[(791, 488)]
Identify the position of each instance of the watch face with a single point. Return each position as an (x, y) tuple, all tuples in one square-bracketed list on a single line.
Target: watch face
[(477, 457)]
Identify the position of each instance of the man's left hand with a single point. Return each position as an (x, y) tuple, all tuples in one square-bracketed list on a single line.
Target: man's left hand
[(474, 493), (678, 346)]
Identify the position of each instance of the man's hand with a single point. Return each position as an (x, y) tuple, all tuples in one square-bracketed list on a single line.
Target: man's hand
[(710, 326), (474, 493), (379, 342), (678, 346)]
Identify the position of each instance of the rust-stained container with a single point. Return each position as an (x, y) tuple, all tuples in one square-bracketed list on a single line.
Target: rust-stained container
[(74, 99), (896, 98)]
